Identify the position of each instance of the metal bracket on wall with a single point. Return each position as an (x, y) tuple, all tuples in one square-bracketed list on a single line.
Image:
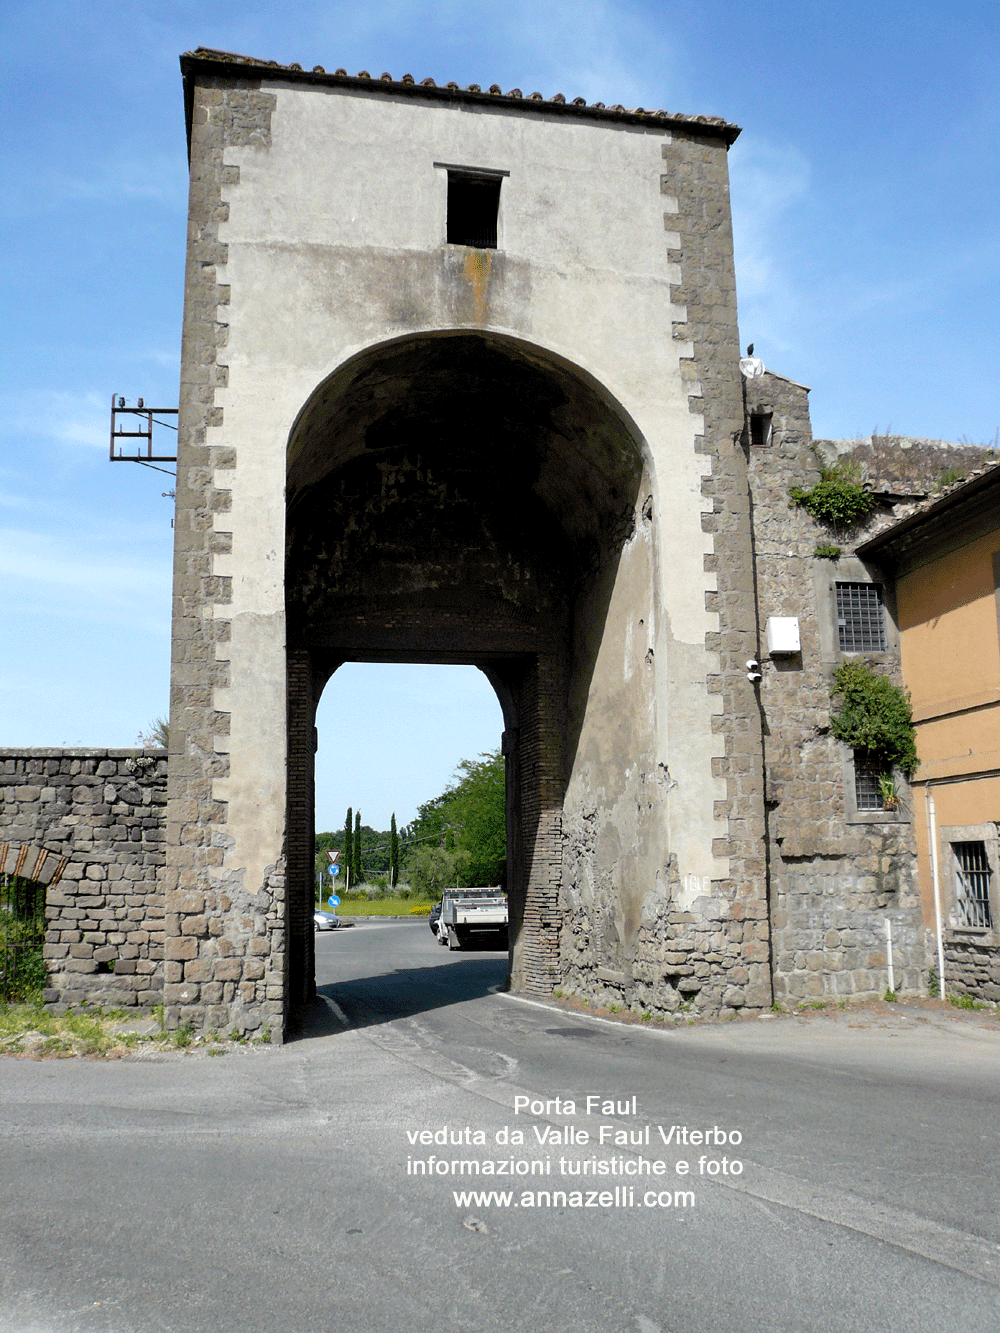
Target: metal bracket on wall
[(147, 418)]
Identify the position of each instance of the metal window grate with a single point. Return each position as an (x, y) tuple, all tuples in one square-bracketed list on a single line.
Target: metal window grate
[(866, 793), (973, 883), (860, 625)]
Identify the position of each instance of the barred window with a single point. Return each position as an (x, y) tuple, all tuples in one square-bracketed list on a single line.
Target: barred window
[(866, 792), (860, 625), (972, 883)]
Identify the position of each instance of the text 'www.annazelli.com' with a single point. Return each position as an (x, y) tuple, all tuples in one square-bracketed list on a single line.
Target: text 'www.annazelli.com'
[(622, 1196)]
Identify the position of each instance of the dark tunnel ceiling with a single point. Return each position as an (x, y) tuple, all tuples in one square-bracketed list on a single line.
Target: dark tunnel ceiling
[(467, 397)]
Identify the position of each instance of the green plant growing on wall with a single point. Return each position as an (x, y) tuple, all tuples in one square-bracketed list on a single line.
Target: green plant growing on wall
[(838, 499), (874, 719), (158, 735), (826, 551), (888, 792), (949, 478)]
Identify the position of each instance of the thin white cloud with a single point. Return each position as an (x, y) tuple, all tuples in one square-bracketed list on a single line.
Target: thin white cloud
[(770, 185), (171, 360), (60, 418), (768, 182), (126, 175), (589, 48), (32, 559)]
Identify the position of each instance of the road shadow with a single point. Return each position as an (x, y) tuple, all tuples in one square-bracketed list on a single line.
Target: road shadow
[(401, 993)]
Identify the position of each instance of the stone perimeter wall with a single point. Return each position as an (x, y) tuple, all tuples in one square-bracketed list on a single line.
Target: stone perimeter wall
[(972, 968), (103, 810)]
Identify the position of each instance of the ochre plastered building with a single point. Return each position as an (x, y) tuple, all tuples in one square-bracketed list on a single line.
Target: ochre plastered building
[(945, 560)]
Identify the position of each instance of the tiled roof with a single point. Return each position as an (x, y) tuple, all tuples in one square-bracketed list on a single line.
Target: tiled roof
[(908, 518), (206, 58)]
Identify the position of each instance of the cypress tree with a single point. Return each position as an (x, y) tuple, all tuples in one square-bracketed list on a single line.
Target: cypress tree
[(393, 853), (357, 846), (347, 867)]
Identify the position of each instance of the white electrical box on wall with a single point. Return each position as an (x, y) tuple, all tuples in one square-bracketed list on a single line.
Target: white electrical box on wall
[(783, 636)]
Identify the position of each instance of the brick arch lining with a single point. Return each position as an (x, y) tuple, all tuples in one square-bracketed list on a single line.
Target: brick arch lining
[(455, 499)]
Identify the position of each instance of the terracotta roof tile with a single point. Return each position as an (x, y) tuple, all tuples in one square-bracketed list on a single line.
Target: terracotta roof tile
[(206, 56), (908, 516)]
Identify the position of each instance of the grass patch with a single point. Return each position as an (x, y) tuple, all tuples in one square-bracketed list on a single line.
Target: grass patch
[(383, 907), (30, 1029)]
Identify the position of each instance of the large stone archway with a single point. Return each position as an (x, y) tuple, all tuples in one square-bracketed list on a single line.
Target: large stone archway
[(462, 497), (523, 455)]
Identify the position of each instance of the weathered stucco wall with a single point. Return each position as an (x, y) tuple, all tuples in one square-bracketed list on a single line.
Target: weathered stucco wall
[(100, 816), (313, 243), (685, 922)]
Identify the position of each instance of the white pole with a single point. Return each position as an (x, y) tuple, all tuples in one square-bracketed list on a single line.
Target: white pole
[(888, 953), (932, 837)]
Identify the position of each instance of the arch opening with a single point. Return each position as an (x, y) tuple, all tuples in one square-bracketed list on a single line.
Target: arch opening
[(464, 498)]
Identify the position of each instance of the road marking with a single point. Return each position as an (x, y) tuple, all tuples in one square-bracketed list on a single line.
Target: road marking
[(941, 1244), (338, 1013)]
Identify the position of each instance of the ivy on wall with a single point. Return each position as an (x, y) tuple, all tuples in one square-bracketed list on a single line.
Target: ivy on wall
[(874, 719)]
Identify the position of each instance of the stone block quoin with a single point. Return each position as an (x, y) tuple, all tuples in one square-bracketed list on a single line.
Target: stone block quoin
[(696, 188), (214, 950)]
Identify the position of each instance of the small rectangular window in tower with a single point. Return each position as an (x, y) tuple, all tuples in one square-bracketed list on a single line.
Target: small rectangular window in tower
[(860, 626), (473, 206), (760, 429), (972, 884)]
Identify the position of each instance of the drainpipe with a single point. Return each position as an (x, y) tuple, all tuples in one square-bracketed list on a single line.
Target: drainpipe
[(771, 961), (932, 838)]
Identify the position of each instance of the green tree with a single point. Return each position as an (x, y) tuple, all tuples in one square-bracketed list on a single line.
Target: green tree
[(393, 853), (348, 854), (357, 849), (469, 817), (433, 869), (375, 847)]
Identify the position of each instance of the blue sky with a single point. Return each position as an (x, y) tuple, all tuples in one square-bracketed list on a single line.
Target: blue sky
[(867, 243)]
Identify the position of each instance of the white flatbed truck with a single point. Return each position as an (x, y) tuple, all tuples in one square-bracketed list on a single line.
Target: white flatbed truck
[(468, 914)]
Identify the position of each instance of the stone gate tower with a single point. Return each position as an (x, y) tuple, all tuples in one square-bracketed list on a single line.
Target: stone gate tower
[(460, 384)]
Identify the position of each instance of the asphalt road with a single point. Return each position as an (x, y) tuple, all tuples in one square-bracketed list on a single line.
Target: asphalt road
[(270, 1189)]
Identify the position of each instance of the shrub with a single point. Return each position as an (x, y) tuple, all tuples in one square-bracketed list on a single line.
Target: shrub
[(874, 719), (838, 499)]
